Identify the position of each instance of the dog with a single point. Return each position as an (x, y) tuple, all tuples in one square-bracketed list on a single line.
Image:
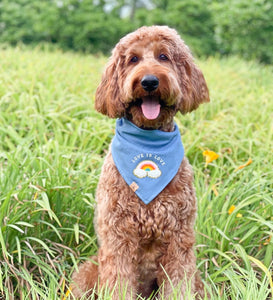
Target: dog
[(146, 203)]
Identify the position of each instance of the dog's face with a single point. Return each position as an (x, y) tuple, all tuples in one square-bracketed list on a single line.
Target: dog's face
[(150, 76)]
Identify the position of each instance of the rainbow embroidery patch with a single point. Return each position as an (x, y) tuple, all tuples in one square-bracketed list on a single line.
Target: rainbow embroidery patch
[(147, 168)]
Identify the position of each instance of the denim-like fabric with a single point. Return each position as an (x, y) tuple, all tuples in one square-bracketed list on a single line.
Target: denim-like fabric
[(146, 159)]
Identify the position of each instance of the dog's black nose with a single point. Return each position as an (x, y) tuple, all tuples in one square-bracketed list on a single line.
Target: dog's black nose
[(150, 83)]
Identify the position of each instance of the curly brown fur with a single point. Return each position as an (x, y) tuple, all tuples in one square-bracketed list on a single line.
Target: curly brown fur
[(139, 243)]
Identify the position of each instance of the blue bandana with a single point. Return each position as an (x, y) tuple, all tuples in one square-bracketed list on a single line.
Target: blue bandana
[(146, 159)]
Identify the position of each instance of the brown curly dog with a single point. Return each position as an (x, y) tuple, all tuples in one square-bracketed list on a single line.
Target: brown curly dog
[(144, 247)]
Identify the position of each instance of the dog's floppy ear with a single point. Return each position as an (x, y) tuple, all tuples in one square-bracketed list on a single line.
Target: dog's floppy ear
[(107, 99), (194, 86)]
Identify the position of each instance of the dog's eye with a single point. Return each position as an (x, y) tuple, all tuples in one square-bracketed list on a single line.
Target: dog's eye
[(134, 59), (163, 57)]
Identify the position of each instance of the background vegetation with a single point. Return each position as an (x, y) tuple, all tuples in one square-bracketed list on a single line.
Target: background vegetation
[(240, 27)]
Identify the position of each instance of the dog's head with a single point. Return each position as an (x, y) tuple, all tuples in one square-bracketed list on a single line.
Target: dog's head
[(150, 76)]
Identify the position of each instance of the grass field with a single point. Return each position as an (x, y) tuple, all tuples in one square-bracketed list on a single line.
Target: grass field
[(52, 145)]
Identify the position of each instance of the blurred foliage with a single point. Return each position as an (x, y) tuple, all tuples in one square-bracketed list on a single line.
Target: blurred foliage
[(192, 18), (245, 27), (227, 26)]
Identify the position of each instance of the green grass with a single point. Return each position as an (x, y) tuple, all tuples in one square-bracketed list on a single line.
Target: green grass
[(52, 145)]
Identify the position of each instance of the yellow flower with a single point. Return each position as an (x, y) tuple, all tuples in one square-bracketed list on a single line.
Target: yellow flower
[(68, 292), (267, 241), (210, 156), (231, 209), (213, 188), (244, 165)]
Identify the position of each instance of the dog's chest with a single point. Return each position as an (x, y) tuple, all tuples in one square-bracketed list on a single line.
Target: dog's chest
[(120, 207), (157, 220)]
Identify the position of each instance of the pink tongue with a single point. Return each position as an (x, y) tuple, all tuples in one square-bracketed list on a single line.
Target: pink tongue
[(150, 107)]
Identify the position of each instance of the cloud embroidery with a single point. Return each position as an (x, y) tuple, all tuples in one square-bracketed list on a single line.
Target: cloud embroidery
[(147, 168)]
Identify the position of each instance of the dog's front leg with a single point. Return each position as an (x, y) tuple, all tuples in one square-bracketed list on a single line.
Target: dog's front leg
[(178, 271), (118, 269)]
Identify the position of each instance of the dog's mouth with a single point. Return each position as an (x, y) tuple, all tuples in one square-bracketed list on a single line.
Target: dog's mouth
[(150, 111), (150, 107)]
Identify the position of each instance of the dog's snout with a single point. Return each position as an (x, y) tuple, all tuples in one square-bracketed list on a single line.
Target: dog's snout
[(149, 83)]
